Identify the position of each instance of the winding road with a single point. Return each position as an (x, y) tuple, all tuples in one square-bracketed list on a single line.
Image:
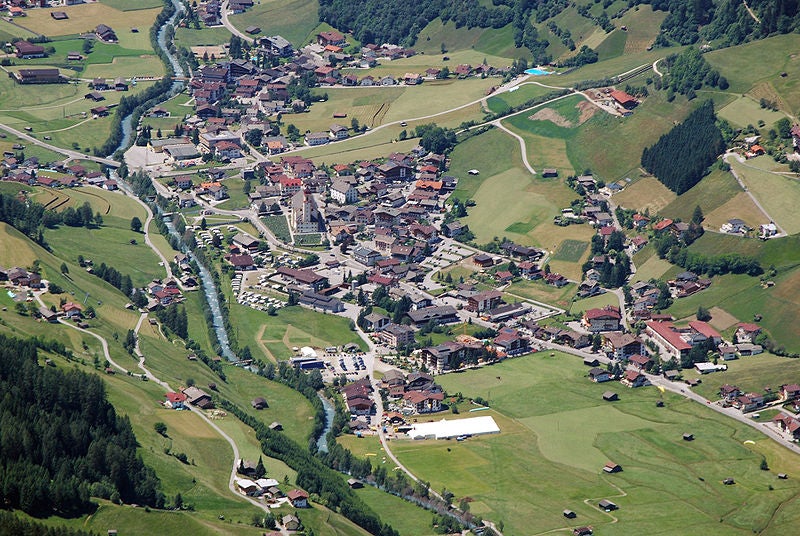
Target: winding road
[(231, 28), (756, 202), (75, 155)]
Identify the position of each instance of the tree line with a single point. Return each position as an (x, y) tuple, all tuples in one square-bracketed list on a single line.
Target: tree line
[(313, 475), (174, 317), (681, 157), (11, 525), (62, 440), (400, 21), (688, 72), (115, 278)]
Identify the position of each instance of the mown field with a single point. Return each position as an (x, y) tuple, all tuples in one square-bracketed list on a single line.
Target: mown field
[(295, 20), (557, 433), (510, 201), (274, 336), (61, 111)]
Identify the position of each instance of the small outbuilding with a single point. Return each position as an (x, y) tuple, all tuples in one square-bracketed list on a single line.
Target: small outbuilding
[(276, 426), (259, 403), (783, 476), (569, 514), (688, 437), (610, 396), (355, 483), (612, 467), (729, 481), (607, 505)]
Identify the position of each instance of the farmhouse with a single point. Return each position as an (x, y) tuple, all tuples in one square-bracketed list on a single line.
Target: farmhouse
[(599, 375), (198, 397), (105, 33), (38, 76), (27, 50), (628, 102)]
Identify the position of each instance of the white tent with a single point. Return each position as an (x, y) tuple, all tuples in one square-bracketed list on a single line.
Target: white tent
[(444, 428)]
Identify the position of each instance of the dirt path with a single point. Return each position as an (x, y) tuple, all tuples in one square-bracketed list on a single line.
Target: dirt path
[(260, 341)]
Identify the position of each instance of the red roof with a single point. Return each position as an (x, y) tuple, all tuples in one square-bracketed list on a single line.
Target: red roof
[(297, 494), (607, 230), (241, 260), (606, 312), (415, 397), (704, 329), (663, 224), (176, 397), (622, 97), (667, 331), (749, 328)]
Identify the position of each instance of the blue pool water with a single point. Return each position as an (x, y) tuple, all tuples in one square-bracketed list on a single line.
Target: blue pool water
[(537, 72)]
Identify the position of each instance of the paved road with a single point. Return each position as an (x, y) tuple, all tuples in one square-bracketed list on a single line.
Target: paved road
[(655, 68), (70, 153), (231, 28), (725, 157), (683, 390)]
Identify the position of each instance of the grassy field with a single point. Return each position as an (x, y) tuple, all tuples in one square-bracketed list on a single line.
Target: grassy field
[(777, 194), (712, 192), (85, 17), (746, 111), (646, 193), (570, 251), (406, 518), (509, 201), (60, 111), (536, 290), (608, 298), (527, 91), (612, 146), (557, 433), (751, 374), (643, 25), (374, 106), (111, 242), (755, 68), (652, 268), (274, 336), (295, 20), (279, 227)]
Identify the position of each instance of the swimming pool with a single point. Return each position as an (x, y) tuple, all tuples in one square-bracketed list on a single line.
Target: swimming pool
[(537, 72)]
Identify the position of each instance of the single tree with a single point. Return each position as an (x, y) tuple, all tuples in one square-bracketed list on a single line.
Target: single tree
[(136, 224), (160, 428)]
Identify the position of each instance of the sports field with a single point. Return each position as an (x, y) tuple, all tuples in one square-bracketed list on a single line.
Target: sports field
[(557, 433)]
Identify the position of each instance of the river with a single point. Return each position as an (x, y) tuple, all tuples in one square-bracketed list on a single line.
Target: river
[(209, 287), (177, 85)]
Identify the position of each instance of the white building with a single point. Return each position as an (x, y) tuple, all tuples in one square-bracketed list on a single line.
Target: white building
[(343, 192)]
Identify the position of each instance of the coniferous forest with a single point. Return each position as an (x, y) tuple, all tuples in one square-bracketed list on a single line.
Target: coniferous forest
[(681, 157), (62, 441), (687, 22)]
